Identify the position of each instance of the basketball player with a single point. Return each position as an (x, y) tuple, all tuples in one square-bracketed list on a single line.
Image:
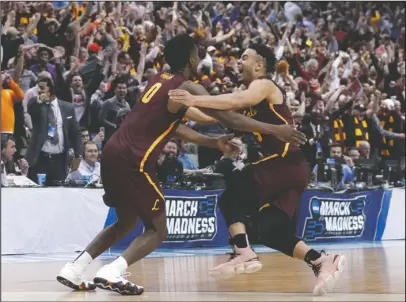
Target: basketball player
[(277, 181), (128, 168)]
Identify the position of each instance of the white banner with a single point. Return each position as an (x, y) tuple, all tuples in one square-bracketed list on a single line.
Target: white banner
[(395, 222), (56, 220), (50, 220)]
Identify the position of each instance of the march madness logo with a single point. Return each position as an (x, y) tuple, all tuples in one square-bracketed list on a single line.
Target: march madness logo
[(335, 218), (191, 218)]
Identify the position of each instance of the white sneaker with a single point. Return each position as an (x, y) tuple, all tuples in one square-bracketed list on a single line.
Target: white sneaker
[(71, 275), (327, 269), (109, 278), (242, 260)]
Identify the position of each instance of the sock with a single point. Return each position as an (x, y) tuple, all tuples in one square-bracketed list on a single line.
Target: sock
[(241, 240), (83, 259), (121, 264), (312, 255)]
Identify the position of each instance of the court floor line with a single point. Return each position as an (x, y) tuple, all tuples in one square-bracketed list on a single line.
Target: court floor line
[(161, 253), (196, 296)]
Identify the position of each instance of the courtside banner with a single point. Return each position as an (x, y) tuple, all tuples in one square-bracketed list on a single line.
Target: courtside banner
[(343, 217), (193, 220)]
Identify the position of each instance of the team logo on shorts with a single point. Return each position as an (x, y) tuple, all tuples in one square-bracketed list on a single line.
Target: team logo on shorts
[(191, 218), (335, 218)]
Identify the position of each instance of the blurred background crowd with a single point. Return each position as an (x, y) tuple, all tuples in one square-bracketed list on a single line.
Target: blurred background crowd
[(341, 64)]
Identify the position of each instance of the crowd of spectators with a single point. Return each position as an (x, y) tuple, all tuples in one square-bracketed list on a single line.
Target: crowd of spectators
[(71, 71)]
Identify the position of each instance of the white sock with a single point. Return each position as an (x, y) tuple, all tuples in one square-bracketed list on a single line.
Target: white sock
[(121, 264), (84, 259)]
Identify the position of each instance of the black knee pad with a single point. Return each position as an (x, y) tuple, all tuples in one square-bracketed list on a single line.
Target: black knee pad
[(230, 207), (276, 230), (238, 200)]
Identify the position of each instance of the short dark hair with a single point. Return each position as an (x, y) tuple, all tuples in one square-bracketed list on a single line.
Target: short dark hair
[(50, 85), (89, 143), (122, 79), (121, 55), (334, 145), (5, 138), (268, 55), (76, 74), (177, 51)]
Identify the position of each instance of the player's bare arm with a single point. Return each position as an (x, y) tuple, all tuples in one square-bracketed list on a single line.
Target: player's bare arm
[(220, 142), (194, 114), (240, 122), (256, 92)]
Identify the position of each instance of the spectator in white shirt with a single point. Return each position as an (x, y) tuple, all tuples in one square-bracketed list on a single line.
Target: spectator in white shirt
[(88, 167), (341, 68)]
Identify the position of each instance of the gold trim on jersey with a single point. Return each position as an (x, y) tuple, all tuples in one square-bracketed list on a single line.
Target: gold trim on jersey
[(286, 122), (267, 205), (285, 150), (154, 185), (265, 158), (167, 76), (154, 144)]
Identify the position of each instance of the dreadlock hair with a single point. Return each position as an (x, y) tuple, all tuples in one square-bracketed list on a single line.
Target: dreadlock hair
[(177, 51)]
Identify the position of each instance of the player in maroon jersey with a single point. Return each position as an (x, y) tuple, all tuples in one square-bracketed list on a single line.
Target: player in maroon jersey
[(128, 168), (277, 181)]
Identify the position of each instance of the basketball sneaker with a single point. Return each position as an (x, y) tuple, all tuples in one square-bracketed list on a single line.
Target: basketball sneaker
[(242, 260), (327, 269), (110, 278), (71, 275)]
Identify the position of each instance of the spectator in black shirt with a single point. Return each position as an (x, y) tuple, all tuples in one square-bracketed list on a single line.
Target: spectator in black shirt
[(10, 42), (90, 68), (110, 108)]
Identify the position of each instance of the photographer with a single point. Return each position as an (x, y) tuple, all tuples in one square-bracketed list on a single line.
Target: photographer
[(169, 167), (228, 164), (336, 154)]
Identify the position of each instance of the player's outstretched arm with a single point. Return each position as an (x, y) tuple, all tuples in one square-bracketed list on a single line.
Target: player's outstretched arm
[(256, 92), (197, 116), (234, 120), (220, 142)]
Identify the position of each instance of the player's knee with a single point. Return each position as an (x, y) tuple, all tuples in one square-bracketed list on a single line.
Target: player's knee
[(269, 235), (224, 203), (160, 227), (124, 224), (276, 230), (162, 233), (232, 213)]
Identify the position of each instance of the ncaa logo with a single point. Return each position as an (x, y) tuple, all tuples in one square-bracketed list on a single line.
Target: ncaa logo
[(315, 207), (335, 218)]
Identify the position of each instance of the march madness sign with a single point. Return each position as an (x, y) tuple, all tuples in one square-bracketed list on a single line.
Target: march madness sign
[(335, 218), (191, 218)]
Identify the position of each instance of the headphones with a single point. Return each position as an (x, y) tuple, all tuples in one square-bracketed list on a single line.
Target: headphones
[(89, 142)]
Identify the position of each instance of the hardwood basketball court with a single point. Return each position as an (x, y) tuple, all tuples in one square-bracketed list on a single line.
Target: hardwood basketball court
[(374, 272)]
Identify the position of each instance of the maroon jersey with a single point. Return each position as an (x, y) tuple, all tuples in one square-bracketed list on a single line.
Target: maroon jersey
[(272, 147), (148, 127)]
